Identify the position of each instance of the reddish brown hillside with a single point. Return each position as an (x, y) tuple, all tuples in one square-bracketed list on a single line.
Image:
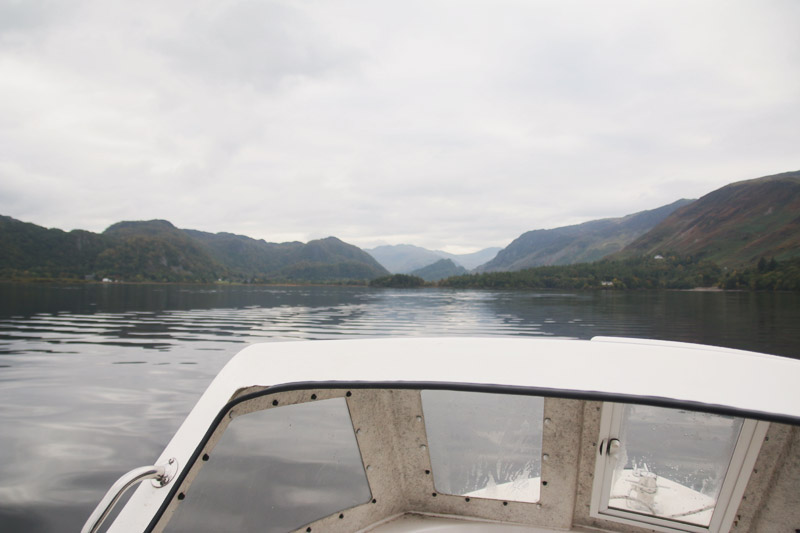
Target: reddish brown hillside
[(734, 225)]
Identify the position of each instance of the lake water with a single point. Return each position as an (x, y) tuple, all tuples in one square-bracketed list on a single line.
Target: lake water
[(95, 379)]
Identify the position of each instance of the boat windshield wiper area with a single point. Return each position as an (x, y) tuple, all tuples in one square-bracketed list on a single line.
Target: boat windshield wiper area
[(514, 435)]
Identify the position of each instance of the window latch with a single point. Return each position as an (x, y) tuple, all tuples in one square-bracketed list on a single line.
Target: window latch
[(611, 446)]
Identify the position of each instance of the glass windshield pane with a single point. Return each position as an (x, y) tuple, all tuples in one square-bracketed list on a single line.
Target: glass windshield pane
[(485, 445), (672, 462), (277, 470)]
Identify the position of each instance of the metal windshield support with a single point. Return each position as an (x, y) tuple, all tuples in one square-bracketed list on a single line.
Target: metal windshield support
[(160, 474)]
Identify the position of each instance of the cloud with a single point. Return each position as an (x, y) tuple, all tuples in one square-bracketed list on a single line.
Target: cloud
[(435, 123)]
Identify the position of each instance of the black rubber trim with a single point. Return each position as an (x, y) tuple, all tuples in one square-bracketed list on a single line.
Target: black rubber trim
[(467, 387)]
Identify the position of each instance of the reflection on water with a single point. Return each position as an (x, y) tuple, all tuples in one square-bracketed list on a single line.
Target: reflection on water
[(95, 379)]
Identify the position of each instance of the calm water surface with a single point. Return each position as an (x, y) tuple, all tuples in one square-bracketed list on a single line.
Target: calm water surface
[(95, 379)]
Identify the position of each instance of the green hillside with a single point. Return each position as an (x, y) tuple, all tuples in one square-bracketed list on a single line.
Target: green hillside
[(28, 250), (733, 226), (243, 256), (580, 243), (156, 250)]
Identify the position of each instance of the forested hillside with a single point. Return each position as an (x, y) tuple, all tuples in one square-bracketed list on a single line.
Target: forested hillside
[(33, 251), (580, 243), (156, 250), (734, 226), (671, 272)]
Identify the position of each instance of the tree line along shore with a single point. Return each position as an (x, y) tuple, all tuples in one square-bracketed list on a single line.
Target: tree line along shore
[(660, 272)]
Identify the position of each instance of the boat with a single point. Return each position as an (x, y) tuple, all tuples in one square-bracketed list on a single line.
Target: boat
[(479, 434)]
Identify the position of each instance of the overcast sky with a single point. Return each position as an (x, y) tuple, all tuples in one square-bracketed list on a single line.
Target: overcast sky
[(447, 124)]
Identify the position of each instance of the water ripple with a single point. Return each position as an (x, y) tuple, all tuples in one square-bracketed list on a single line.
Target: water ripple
[(402, 315)]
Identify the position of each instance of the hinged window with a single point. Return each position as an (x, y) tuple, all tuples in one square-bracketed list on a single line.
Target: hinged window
[(672, 469)]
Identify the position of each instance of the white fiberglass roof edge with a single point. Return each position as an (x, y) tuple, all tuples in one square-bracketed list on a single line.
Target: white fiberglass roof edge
[(714, 376), (632, 368)]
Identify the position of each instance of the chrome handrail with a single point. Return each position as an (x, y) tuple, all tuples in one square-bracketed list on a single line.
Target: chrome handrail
[(160, 474)]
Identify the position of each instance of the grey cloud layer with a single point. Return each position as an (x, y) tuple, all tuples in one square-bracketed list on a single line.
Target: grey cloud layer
[(442, 124)]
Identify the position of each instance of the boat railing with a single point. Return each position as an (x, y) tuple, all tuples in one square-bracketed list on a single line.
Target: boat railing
[(160, 474)]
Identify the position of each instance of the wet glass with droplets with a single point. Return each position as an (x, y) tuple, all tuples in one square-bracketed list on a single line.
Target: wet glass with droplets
[(672, 462)]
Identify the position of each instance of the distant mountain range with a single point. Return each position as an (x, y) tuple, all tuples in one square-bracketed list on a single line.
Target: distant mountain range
[(406, 258), (735, 225), (156, 250), (581, 243)]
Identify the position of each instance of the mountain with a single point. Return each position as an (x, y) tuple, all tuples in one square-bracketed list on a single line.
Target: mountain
[(443, 268), (734, 225), (317, 260), (331, 258), (475, 259), (156, 250), (580, 243), (33, 251), (243, 255), (405, 258)]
